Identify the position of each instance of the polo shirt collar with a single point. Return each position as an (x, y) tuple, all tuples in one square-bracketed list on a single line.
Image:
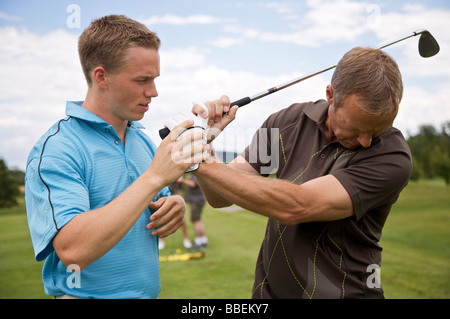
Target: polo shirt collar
[(318, 112), (75, 109)]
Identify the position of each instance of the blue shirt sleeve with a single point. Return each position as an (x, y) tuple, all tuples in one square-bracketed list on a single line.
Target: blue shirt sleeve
[(54, 195)]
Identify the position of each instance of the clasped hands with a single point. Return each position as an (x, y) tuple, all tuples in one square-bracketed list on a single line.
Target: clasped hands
[(189, 141)]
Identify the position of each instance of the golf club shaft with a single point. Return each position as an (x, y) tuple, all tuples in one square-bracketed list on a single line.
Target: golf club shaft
[(427, 47), (249, 99)]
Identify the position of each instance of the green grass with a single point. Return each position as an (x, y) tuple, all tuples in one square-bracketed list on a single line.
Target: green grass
[(20, 274), (227, 269), (416, 252), (416, 242)]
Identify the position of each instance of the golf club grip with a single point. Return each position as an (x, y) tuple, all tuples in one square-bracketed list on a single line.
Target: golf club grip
[(241, 102)]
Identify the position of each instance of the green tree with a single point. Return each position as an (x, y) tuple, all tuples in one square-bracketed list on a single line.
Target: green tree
[(441, 163), (422, 146), (9, 189), (416, 171), (431, 152)]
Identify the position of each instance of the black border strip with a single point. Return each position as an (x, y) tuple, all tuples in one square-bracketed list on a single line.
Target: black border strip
[(39, 170)]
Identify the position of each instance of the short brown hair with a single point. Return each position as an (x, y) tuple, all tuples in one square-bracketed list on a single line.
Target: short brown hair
[(106, 40), (373, 76)]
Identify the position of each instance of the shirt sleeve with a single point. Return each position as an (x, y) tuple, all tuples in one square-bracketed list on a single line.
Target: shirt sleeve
[(260, 153), (54, 194)]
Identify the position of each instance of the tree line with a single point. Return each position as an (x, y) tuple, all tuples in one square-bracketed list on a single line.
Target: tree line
[(430, 149), (10, 180)]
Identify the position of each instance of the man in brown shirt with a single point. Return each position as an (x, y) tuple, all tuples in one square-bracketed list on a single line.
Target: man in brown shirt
[(340, 166)]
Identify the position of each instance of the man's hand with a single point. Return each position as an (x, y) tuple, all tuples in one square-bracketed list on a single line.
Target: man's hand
[(169, 215), (176, 153), (219, 114)]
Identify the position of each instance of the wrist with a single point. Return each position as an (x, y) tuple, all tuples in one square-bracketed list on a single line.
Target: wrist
[(153, 180)]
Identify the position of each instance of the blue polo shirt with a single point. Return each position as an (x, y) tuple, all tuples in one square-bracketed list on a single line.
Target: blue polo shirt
[(78, 165)]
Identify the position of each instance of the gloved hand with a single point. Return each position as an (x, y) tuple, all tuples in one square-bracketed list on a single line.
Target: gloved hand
[(200, 124)]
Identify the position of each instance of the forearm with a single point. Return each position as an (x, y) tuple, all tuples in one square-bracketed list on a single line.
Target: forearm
[(90, 235), (224, 186), (208, 187), (321, 199)]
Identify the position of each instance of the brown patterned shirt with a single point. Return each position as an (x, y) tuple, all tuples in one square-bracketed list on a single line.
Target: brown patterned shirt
[(334, 259)]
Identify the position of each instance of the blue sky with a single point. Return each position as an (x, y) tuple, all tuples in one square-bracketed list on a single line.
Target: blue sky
[(210, 48)]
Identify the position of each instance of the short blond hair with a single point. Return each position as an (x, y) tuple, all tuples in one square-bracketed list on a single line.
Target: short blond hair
[(373, 76), (106, 40)]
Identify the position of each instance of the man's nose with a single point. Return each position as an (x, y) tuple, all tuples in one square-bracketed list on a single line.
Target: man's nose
[(365, 140), (150, 90)]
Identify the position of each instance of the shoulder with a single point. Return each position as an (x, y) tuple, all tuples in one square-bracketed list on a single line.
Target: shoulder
[(55, 134), (296, 112), (64, 140)]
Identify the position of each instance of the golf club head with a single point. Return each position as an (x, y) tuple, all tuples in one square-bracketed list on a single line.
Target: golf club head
[(428, 45)]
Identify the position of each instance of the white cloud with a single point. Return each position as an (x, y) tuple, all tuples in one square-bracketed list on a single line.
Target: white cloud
[(227, 42), (40, 72), (8, 17), (324, 22), (181, 58), (287, 11), (420, 107)]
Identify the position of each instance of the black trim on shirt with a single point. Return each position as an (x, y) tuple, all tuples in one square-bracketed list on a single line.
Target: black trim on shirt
[(39, 170)]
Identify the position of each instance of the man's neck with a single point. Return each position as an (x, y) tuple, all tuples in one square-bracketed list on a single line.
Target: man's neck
[(329, 134), (98, 106)]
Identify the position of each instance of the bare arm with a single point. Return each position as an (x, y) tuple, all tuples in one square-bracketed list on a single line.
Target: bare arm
[(321, 199), (215, 198)]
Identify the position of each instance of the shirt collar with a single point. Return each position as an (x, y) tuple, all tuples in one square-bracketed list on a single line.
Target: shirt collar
[(75, 109), (318, 112)]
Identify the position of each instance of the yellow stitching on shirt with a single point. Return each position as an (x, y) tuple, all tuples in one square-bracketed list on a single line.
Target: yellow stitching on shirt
[(343, 287), (289, 265), (309, 163), (345, 155), (270, 261), (314, 262), (337, 151), (282, 149), (340, 263)]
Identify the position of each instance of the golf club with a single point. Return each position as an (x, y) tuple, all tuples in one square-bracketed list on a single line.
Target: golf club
[(428, 47)]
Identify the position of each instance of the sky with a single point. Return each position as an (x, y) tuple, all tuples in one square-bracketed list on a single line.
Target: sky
[(211, 48)]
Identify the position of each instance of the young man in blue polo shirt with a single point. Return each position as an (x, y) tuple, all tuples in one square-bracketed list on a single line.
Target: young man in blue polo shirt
[(96, 190)]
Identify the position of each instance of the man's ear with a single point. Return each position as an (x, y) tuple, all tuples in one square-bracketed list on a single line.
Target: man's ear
[(99, 77), (329, 93)]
